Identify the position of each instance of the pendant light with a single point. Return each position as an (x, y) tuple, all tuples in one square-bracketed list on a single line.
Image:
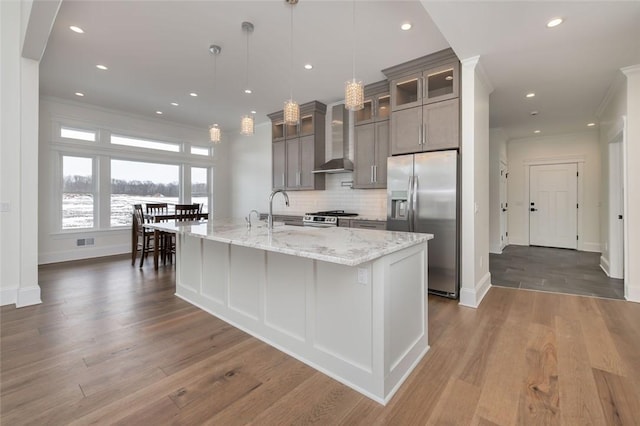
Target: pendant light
[(353, 89), (246, 123), (291, 107), (214, 130)]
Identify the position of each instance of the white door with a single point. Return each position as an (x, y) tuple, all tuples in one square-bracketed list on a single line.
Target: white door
[(553, 208), (503, 205), (616, 207)]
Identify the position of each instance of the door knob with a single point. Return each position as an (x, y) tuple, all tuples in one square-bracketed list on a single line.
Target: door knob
[(533, 209)]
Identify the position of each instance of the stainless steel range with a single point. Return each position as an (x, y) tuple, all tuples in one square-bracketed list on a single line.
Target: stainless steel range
[(325, 219)]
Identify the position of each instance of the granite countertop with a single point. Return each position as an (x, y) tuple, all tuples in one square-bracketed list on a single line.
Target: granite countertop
[(346, 246)]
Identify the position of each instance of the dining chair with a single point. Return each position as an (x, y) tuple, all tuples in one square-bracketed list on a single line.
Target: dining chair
[(157, 208), (143, 238), (185, 212)]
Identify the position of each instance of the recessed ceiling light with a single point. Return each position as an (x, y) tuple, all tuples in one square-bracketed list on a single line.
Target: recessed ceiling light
[(536, 131), (554, 22), (591, 124), (405, 27), (101, 67), (79, 94), (449, 78), (76, 29), (194, 94), (247, 91), (175, 103), (530, 95), (253, 111), (534, 112), (159, 112), (308, 67)]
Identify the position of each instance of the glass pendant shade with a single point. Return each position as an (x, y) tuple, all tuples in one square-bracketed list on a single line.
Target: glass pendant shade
[(353, 95), (291, 112), (214, 133), (246, 125)]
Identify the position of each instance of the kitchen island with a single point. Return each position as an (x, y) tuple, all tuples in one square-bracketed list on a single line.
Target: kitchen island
[(351, 303)]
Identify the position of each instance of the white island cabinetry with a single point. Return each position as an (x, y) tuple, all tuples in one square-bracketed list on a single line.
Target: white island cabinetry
[(350, 303)]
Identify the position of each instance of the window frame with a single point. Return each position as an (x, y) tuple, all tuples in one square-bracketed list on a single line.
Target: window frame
[(102, 151)]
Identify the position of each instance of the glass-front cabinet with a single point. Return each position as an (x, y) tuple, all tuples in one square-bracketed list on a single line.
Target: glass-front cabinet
[(298, 149), (428, 86)]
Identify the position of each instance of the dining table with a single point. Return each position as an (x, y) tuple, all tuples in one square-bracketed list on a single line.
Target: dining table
[(167, 217)]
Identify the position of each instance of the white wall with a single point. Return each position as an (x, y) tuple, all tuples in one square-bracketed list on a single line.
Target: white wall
[(475, 276), (581, 146), (18, 160), (55, 246), (497, 154), (632, 195)]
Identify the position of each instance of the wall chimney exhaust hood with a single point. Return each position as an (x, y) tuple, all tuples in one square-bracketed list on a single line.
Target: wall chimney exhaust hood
[(339, 142)]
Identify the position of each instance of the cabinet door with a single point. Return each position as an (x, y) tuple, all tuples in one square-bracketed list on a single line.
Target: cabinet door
[(382, 152), (279, 161), (364, 155), (383, 107), (406, 131), (369, 224), (441, 83), (307, 162), (441, 122), (406, 92), (366, 114), (293, 163)]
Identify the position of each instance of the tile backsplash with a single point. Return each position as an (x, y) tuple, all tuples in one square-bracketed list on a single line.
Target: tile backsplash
[(368, 203)]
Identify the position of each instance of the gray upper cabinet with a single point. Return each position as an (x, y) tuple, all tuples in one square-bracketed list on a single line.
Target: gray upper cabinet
[(279, 165), (371, 138), (425, 103), (432, 85), (299, 149)]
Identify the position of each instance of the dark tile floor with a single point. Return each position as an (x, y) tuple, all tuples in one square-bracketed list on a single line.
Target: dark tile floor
[(553, 270)]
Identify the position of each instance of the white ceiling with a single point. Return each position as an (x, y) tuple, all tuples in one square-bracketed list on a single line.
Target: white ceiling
[(157, 53)]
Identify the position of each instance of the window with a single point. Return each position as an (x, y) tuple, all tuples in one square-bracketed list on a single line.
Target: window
[(197, 150), (136, 182), (199, 187), (77, 192), (142, 143), (81, 134)]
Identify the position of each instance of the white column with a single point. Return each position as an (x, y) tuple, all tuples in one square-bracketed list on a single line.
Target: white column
[(632, 195), (475, 277)]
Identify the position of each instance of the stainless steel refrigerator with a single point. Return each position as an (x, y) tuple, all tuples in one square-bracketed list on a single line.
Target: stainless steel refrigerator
[(422, 196)]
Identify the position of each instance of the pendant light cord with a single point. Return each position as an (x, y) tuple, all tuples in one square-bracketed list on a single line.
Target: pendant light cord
[(291, 58), (246, 86), (354, 40)]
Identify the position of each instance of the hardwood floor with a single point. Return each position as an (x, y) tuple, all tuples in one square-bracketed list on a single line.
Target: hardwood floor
[(553, 270), (111, 344)]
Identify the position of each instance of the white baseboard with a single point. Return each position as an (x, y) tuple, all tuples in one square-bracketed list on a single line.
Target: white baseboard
[(9, 295), (604, 265), (517, 242), (592, 247), (632, 294), (82, 253), (495, 250), (28, 296), (473, 297), (20, 296)]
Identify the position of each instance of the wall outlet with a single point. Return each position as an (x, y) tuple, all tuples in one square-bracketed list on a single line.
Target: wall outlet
[(82, 242), (363, 276)]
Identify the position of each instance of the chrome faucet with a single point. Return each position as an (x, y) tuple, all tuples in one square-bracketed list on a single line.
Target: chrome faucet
[(248, 218), (286, 201)]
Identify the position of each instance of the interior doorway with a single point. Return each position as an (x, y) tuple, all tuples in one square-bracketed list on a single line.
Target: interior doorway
[(616, 208), (553, 205)]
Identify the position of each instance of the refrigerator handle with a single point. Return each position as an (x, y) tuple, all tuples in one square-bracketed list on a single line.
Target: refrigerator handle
[(414, 203), (410, 201)]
